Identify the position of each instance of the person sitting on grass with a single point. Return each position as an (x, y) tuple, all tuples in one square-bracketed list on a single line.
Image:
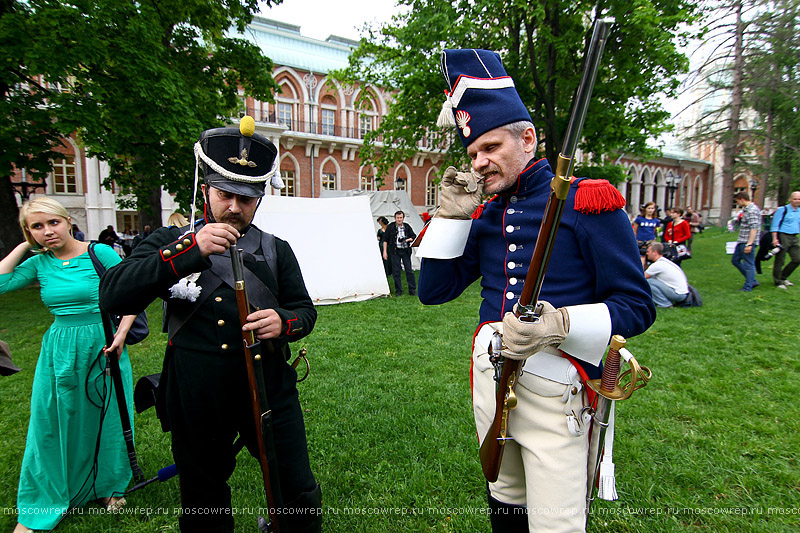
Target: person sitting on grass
[(666, 279)]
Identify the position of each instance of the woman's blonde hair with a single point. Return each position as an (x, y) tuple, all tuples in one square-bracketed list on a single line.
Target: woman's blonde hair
[(41, 204), (177, 219)]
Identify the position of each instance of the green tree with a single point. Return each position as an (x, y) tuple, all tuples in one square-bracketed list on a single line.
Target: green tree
[(136, 81), (772, 90), (749, 86), (542, 47)]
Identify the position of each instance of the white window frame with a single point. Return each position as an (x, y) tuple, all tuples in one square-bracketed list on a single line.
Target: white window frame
[(431, 192), (367, 183), (282, 107), (61, 175), (327, 121), (328, 181), (289, 182)]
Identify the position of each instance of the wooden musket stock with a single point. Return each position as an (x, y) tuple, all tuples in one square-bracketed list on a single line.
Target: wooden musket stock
[(493, 445), (262, 415)]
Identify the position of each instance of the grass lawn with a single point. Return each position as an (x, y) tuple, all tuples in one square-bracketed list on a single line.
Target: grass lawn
[(711, 444)]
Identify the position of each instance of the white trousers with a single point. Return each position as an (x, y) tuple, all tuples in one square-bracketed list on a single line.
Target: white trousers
[(544, 466)]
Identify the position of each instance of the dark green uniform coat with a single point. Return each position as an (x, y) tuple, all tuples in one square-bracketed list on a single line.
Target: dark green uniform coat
[(203, 394)]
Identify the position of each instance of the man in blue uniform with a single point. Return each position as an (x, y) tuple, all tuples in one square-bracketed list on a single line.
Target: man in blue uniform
[(204, 395), (594, 288)]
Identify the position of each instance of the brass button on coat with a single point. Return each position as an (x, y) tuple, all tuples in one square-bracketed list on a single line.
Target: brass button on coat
[(224, 347), (179, 247), (220, 322), (187, 242), (218, 299), (167, 253)]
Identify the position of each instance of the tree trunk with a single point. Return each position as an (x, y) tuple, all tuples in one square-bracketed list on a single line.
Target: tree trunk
[(10, 232), (784, 189), (150, 210), (731, 145), (767, 158)]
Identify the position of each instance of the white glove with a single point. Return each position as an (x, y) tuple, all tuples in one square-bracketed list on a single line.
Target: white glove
[(523, 339), (459, 194)]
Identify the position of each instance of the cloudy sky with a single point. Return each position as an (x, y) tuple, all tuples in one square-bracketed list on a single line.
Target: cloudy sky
[(321, 18)]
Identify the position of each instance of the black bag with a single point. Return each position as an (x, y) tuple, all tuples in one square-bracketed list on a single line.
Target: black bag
[(676, 251), (693, 299), (145, 394), (669, 251), (139, 329)]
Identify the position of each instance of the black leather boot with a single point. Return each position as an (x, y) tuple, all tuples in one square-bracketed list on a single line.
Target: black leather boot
[(507, 518)]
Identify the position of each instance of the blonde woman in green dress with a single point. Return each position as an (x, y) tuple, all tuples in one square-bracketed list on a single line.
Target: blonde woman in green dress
[(65, 465)]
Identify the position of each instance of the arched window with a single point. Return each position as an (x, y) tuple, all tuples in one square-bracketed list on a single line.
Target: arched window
[(367, 115)]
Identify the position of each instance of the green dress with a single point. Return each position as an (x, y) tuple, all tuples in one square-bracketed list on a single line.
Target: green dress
[(72, 399)]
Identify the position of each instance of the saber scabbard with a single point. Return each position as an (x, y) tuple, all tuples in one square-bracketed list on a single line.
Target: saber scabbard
[(528, 310), (262, 415), (610, 388)]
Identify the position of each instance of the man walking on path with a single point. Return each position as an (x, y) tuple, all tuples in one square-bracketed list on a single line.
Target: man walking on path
[(745, 253), (785, 227)]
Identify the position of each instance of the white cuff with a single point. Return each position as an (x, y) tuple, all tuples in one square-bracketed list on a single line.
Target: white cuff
[(589, 332), (445, 238)]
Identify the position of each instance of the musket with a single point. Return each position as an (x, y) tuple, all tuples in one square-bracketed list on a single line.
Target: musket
[(611, 387), (122, 404), (528, 309), (262, 415)]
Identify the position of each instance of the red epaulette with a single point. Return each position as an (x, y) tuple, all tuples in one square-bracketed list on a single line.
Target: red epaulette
[(479, 210), (596, 196)]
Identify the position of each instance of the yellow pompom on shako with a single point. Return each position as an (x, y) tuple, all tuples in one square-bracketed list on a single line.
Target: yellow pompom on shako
[(247, 126)]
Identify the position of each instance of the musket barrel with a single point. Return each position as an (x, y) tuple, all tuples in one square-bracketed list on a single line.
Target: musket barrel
[(592, 64)]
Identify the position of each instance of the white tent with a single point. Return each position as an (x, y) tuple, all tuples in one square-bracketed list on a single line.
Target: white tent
[(386, 203), (334, 242)]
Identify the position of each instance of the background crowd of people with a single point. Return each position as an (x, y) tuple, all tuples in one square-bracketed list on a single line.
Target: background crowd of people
[(670, 239)]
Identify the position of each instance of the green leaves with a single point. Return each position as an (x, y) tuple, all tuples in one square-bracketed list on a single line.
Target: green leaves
[(146, 79), (542, 46)]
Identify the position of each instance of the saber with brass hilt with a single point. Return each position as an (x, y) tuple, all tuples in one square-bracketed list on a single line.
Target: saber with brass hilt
[(610, 388), (301, 356), (528, 309), (262, 415)]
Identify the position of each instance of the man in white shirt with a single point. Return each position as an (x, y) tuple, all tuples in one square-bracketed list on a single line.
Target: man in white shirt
[(667, 281)]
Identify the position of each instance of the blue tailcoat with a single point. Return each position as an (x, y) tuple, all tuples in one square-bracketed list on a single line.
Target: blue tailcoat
[(595, 259)]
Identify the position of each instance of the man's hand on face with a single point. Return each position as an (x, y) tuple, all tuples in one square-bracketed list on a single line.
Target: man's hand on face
[(460, 194), (215, 238)]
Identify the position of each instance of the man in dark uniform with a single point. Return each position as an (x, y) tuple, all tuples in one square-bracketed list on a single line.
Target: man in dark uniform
[(204, 393), (594, 288)]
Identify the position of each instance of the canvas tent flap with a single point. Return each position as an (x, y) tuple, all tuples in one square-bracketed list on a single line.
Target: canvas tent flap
[(334, 242), (386, 203)]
